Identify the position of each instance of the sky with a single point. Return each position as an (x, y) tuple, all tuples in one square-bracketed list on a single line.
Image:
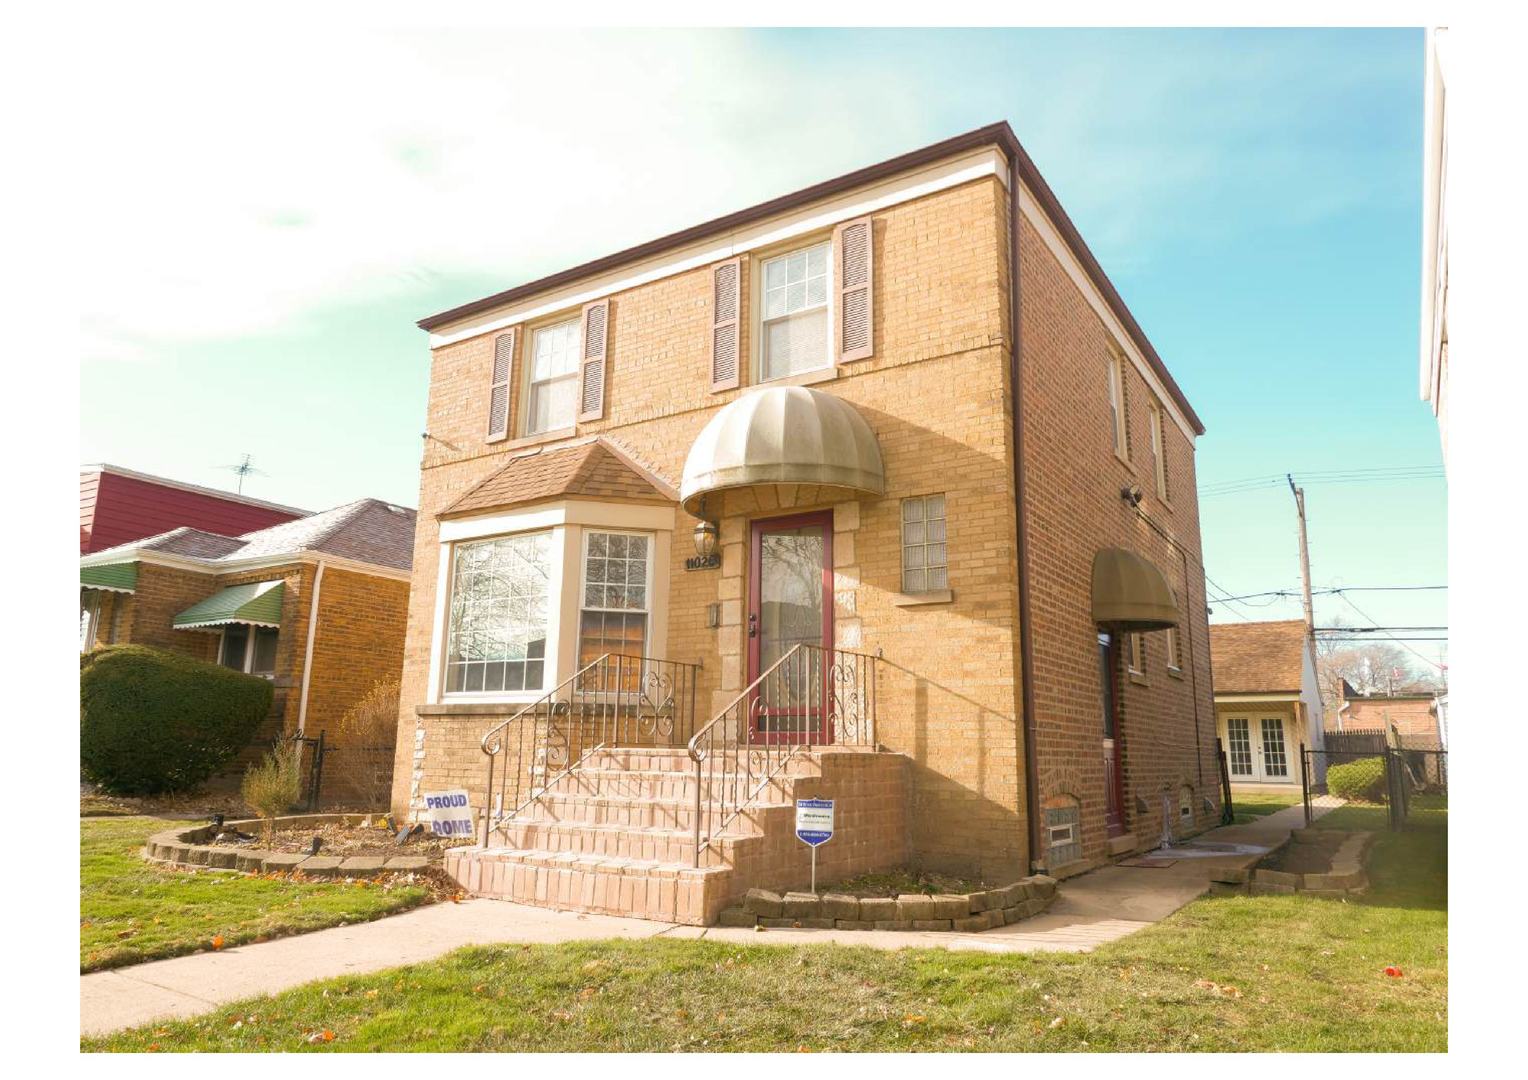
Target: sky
[(279, 216)]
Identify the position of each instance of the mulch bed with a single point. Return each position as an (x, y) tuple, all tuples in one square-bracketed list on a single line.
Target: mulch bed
[(342, 840), (892, 883)]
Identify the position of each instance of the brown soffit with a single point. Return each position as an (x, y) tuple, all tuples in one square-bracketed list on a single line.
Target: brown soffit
[(999, 134)]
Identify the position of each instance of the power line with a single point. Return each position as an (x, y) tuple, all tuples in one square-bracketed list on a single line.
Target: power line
[(1334, 590), (1399, 641)]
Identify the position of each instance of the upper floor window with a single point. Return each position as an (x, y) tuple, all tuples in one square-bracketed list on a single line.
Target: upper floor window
[(925, 557), (500, 595), (552, 378), (1159, 450), (795, 323), (1136, 656), (617, 595), (1118, 409)]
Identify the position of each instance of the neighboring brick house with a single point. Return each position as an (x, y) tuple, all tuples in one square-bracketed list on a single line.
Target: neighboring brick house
[(1267, 703), (1414, 716), (793, 429), (119, 505), (318, 605)]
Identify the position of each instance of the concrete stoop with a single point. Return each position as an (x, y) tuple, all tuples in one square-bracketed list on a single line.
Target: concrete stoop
[(616, 837)]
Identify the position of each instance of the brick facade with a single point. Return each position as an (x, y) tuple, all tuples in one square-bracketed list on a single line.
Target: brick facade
[(936, 393)]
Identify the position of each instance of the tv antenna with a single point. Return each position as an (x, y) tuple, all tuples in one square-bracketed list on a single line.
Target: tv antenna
[(244, 468)]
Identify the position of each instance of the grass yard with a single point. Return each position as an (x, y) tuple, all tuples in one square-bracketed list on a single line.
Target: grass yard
[(1229, 973), (1250, 807), (131, 911)]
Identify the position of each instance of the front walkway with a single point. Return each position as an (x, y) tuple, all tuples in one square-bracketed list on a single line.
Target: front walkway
[(1090, 910)]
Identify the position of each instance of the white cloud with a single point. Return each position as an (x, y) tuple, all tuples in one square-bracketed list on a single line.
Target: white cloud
[(241, 181)]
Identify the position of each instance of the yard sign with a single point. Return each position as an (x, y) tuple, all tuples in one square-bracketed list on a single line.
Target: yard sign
[(814, 827), (450, 813)]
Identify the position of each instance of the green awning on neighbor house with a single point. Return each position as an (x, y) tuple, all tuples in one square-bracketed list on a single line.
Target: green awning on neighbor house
[(118, 577), (258, 604)]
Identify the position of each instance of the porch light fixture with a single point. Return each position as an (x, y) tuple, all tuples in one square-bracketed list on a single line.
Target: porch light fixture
[(705, 539)]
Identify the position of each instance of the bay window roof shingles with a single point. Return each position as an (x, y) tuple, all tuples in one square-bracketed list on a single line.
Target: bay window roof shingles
[(1258, 657), (590, 470)]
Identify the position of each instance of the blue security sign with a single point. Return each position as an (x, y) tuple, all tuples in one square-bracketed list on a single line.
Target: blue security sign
[(814, 821)]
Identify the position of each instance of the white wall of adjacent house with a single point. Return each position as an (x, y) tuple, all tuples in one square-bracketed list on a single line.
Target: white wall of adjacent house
[(1315, 712)]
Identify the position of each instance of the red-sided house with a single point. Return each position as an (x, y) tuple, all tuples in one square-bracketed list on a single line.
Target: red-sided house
[(119, 505)]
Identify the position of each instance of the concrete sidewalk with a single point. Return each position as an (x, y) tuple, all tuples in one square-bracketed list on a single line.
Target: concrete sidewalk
[(1098, 907)]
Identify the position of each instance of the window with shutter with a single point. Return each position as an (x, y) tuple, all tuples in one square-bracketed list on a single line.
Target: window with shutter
[(498, 390), (552, 377), (596, 338), (853, 245), (725, 327)]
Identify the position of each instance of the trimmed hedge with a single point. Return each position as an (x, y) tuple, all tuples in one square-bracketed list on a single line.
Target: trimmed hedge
[(153, 721), (1362, 780)]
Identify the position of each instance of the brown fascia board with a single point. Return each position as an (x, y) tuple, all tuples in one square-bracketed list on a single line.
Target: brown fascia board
[(999, 134)]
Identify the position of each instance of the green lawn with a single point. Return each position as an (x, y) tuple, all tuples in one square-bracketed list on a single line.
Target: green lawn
[(1230, 973), (1253, 806), (131, 911)]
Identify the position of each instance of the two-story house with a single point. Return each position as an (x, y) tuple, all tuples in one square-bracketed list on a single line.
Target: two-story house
[(874, 492)]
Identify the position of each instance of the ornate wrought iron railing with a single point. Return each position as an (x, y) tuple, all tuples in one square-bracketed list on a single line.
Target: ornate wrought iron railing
[(810, 697), (614, 700)]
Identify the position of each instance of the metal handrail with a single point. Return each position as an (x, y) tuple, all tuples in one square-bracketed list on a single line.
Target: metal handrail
[(615, 698), (810, 697)]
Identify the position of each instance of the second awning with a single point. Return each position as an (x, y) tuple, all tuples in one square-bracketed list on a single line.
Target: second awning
[(257, 603)]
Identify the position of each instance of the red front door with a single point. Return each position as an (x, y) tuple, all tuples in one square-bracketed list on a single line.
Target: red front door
[(790, 603)]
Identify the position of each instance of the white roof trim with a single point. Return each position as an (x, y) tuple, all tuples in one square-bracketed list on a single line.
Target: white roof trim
[(802, 221), (233, 566)]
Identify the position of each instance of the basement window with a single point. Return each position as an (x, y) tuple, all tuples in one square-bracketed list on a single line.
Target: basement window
[(1063, 835)]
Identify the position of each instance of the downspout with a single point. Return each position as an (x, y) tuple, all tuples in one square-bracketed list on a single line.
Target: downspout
[(1021, 525), (307, 659)]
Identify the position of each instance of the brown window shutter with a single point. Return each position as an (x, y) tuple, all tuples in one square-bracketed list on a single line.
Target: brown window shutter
[(726, 336), (853, 244), (498, 390), (596, 338)]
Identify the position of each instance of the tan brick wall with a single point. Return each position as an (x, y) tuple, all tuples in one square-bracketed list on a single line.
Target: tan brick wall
[(1074, 480), (936, 392), (1414, 720)]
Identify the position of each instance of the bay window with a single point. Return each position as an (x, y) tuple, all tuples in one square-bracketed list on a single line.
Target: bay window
[(499, 610), (615, 601)]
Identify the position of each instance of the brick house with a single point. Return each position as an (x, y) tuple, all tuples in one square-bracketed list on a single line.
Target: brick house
[(1417, 717), (1267, 703), (318, 605), (776, 455)]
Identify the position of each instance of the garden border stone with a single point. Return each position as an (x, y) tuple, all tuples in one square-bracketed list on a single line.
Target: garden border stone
[(1345, 876), (189, 845), (967, 913)]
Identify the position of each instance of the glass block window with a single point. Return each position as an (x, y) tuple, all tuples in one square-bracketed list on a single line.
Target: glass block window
[(499, 601), (1063, 835), (925, 558), (616, 594), (795, 313)]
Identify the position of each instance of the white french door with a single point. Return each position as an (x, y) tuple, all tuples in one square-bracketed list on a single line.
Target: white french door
[(1257, 753)]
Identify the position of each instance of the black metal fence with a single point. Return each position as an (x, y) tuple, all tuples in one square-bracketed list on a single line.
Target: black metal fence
[(311, 754), (1394, 777)]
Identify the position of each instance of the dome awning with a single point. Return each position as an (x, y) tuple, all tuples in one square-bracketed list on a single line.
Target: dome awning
[(783, 435), (1130, 593)]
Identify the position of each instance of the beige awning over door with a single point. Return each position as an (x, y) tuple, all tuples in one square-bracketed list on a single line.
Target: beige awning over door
[(783, 435), (1130, 593)]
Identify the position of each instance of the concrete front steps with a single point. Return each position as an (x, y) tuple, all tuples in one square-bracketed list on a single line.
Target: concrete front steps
[(617, 836)]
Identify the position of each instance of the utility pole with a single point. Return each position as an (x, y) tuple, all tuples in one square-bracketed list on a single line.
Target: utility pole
[(1310, 614)]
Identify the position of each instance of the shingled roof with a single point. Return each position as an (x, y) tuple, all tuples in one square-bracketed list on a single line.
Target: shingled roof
[(367, 530), (589, 470), (1258, 657)]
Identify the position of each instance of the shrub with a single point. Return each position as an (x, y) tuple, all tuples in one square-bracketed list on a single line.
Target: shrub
[(1362, 780), (370, 727), (153, 721), (272, 786)]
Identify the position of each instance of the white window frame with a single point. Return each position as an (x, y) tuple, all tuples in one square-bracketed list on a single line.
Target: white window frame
[(549, 666), (903, 522), (1173, 666), (1158, 450), (1117, 406), (247, 664), (528, 382), (758, 321), (647, 588), (1135, 654), (90, 608)]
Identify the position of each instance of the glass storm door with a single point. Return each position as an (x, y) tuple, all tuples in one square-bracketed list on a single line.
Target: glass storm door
[(1275, 759), (1239, 748), (1114, 787), (790, 586)]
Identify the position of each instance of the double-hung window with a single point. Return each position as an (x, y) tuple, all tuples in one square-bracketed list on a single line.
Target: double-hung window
[(496, 639), (551, 392), (795, 325), (250, 649), (617, 595), (1159, 450), (1117, 408)]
